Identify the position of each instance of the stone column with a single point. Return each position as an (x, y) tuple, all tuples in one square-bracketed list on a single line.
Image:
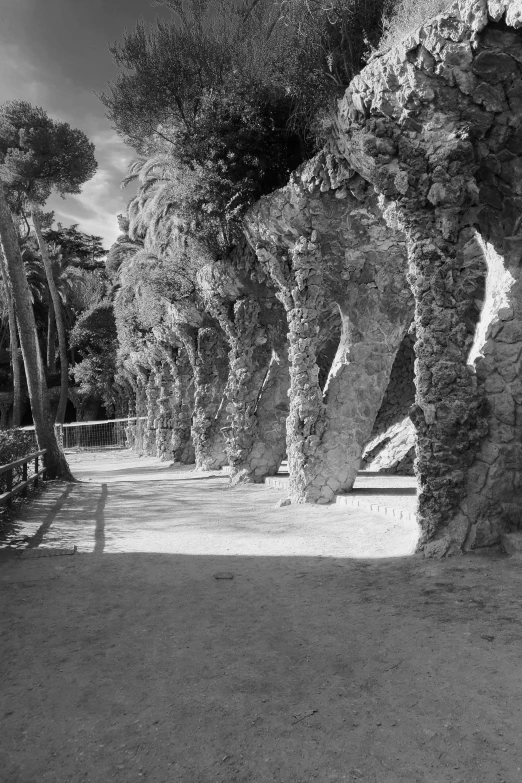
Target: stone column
[(324, 242), (268, 448), (207, 354), (180, 405), (243, 301), (131, 430), (437, 127), (372, 331), (450, 411), (182, 446), (141, 410), (152, 394), (306, 419), (249, 359), (164, 414)]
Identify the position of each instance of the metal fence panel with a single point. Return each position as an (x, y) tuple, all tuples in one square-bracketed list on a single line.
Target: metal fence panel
[(99, 435)]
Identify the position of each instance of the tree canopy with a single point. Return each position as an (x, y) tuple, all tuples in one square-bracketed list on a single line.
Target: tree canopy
[(38, 154), (234, 93)]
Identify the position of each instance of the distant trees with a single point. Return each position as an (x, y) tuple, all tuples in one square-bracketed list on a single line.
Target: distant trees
[(38, 155), (14, 346), (77, 248), (94, 337)]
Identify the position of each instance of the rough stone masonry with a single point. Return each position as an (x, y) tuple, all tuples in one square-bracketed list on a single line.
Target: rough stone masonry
[(436, 126)]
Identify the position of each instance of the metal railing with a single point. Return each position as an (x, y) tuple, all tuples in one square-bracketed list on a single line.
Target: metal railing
[(21, 486)]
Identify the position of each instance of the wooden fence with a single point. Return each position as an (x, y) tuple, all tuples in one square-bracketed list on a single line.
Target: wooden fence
[(21, 486)]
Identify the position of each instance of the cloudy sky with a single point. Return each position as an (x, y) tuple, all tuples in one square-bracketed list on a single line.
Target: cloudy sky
[(54, 54)]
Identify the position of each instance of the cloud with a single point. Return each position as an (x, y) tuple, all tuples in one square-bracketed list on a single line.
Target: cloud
[(101, 200), (19, 78), (96, 208)]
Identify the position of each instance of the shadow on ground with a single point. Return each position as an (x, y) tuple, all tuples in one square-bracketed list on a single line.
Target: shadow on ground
[(199, 638), (132, 667)]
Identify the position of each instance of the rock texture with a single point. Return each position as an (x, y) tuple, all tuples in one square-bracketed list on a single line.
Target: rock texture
[(152, 394), (324, 243), (206, 350), (272, 408), (243, 303), (392, 450), (400, 393), (164, 420), (436, 126), (181, 406)]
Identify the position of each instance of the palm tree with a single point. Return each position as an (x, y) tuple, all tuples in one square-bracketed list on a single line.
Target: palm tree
[(13, 342), (58, 315)]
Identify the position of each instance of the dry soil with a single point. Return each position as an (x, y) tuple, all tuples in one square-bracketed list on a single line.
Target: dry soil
[(140, 659)]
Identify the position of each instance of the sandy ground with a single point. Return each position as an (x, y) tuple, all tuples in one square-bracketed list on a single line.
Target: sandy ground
[(136, 660)]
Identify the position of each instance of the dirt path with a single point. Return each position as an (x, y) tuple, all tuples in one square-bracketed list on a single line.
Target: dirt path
[(133, 662)]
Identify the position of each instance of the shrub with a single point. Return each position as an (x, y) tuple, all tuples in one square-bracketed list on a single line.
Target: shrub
[(14, 445)]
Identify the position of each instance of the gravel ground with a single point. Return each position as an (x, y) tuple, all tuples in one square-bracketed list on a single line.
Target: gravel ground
[(204, 636)]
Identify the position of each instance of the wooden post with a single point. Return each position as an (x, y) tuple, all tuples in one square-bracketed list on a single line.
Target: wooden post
[(9, 482), (24, 478)]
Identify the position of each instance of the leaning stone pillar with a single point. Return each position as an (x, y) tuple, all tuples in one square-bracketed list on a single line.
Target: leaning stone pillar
[(244, 304), (373, 326), (131, 430), (164, 419), (249, 360), (141, 410), (298, 274), (152, 393), (181, 404), (207, 354), (268, 448), (306, 418), (326, 433), (324, 242), (436, 125)]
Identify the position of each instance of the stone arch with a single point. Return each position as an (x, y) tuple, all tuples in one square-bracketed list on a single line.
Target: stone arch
[(436, 126), (323, 241)]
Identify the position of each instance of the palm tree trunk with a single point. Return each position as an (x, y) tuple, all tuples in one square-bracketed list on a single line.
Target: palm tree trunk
[(57, 467), (60, 328), (15, 348), (51, 339)]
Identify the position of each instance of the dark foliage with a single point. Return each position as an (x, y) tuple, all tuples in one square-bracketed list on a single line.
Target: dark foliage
[(94, 337), (78, 249), (38, 154), (237, 89), (14, 445)]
